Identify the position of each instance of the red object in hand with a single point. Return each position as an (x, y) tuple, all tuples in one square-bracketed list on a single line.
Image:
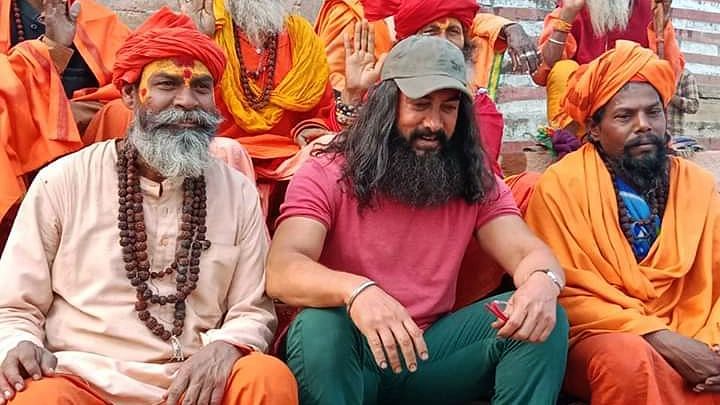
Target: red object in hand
[(497, 308)]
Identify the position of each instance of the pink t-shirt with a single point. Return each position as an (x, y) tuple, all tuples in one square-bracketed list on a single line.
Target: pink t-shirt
[(413, 254)]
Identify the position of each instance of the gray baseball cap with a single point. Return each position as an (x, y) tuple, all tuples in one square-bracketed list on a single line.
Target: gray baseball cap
[(421, 64)]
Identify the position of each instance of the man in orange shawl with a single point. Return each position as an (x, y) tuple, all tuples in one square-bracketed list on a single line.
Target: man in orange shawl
[(638, 235), (51, 70), (275, 94), (578, 31)]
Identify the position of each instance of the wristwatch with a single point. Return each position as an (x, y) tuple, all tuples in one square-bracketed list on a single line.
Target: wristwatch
[(552, 276)]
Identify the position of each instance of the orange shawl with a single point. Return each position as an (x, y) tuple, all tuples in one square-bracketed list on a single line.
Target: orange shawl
[(575, 211), (36, 122), (337, 17)]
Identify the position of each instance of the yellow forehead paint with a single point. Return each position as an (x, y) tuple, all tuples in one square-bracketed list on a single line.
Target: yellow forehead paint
[(186, 70), (444, 23)]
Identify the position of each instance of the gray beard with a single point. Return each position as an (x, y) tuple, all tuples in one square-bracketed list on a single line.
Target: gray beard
[(173, 151), (258, 19), (609, 15)]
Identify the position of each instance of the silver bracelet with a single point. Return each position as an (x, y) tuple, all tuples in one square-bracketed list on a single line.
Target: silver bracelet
[(362, 287), (556, 42)]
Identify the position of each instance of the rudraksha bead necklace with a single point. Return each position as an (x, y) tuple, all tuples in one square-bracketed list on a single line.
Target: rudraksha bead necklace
[(656, 198), (258, 101), (133, 240), (20, 28)]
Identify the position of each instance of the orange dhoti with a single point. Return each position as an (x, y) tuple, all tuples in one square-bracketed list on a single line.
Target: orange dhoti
[(622, 368), (256, 379)]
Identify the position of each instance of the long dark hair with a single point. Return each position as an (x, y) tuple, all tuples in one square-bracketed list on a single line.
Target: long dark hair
[(366, 146)]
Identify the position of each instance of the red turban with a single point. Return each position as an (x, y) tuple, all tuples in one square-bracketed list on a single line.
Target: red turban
[(374, 10), (592, 85), (415, 14), (166, 35)]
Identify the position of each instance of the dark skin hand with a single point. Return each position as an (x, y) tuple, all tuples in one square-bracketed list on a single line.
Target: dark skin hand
[(26, 360), (202, 378), (695, 361), (60, 21), (522, 49)]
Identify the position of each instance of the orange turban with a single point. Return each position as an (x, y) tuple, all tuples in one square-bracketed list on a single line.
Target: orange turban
[(415, 14), (592, 85), (166, 35)]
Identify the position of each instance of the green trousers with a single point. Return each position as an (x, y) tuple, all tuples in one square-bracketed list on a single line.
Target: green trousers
[(333, 364)]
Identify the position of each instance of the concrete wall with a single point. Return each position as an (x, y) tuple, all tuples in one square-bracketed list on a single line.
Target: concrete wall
[(698, 30)]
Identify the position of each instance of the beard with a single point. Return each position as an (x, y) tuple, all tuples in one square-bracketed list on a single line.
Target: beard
[(646, 170), (258, 19), (609, 15), (430, 179), (171, 150)]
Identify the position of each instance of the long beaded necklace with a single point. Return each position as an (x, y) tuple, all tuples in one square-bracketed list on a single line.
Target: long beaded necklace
[(258, 101), (657, 198), (19, 27), (133, 240)]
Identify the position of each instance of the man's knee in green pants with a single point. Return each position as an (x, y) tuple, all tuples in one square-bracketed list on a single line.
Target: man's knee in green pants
[(334, 365)]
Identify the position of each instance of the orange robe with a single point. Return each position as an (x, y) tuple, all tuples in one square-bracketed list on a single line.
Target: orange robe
[(489, 51), (337, 17), (676, 287), (256, 379), (36, 121), (575, 211)]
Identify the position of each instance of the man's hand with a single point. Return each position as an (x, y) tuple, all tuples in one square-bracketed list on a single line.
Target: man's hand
[(26, 360), (202, 378), (308, 135), (387, 325), (201, 12), (61, 21), (694, 360), (531, 310), (362, 69), (522, 49)]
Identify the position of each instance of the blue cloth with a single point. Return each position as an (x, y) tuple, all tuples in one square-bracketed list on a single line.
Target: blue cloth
[(645, 226)]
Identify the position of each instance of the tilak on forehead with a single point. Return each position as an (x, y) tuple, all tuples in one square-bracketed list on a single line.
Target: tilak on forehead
[(183, 67)]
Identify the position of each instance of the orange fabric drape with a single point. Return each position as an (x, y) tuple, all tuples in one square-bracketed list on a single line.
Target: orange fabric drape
[(36, 121), (485, 36), (574, 210), (672, 48), (522, 186), (337, 17), (256, 379), (600, 371)]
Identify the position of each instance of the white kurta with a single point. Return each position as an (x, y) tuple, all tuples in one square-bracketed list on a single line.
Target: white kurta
[(63, 283)]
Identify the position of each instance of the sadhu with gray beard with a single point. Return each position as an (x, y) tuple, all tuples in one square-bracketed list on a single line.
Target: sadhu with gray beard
[(578, 31), (134, 273), (638, 234), (370, 240)]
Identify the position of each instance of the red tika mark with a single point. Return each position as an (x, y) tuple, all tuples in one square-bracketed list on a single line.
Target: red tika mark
[(143, 93), (187, 74)]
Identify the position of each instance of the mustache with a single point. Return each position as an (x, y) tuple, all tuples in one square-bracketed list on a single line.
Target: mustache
[(418, 133), (645, 139), (205, 121)]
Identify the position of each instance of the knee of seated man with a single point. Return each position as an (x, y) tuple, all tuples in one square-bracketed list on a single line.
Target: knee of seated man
[(48, 390), (261, 368), (621, 356)]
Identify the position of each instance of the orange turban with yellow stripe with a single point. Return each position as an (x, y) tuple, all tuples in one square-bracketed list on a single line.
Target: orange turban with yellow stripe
[(166, 35), (592, 85)]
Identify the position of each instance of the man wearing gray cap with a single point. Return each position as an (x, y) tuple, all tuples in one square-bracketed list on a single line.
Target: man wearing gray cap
[(370, 240)]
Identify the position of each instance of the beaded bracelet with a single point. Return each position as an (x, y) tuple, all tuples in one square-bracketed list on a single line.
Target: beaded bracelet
[(345, 114)]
